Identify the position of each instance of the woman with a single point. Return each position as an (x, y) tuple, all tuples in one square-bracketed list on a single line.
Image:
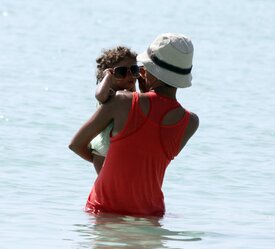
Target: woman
[(150, 129)]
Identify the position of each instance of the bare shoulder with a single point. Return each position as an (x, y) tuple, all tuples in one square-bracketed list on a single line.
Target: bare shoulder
[(121, 106), (191, 128), (123, 94), (122, 98), (120, 102), (194, 121), (118, 98), (192, 125)]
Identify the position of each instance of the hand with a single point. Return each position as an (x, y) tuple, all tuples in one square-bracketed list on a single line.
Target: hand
[(107, 71), (143, 87), (109, 74)]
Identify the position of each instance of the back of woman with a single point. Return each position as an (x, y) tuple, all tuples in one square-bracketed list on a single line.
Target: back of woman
[(131, 178)]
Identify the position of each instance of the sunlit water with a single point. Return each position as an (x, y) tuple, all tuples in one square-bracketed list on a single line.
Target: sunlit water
[(219, 191)]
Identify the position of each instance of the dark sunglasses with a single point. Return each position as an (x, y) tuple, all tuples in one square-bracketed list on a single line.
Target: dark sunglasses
[(121, 72)]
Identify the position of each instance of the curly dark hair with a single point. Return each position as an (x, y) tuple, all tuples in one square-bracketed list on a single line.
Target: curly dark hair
[(110, 57)]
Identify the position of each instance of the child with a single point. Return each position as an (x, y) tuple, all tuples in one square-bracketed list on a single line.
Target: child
[(116, 70)]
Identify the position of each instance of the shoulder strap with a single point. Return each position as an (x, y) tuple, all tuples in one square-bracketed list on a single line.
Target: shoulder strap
[(135, 119)]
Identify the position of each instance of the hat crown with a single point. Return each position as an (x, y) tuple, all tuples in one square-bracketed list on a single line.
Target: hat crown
[(173, 49), (169, 58)]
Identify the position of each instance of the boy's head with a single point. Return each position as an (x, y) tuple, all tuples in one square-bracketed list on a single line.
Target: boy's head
[(111, 57)]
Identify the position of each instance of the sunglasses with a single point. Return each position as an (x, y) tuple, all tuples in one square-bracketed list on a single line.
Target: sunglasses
[(121, 72)]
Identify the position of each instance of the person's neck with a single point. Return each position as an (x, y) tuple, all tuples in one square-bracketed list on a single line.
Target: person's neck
[(165, 90)]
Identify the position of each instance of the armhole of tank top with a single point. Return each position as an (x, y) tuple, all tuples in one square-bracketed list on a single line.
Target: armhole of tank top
[(179, 122), (182, 122)]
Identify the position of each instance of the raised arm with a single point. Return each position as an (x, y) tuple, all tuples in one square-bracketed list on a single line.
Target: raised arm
[(105, 88)]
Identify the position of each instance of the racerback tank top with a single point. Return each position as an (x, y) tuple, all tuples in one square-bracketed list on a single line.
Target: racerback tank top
[(131, 178)]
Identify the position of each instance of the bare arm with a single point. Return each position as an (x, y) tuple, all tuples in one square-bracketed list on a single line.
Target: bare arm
[(143, 86), (105, 88), (191, 129), (100, 119)]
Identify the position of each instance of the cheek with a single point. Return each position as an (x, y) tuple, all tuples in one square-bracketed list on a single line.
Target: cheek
[(148, 77)]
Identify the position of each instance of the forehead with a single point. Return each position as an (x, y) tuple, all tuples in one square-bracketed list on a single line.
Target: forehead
[(126, 62)]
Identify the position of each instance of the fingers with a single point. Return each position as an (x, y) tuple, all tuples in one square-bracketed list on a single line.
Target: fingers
[(142, 84), (107, 71)]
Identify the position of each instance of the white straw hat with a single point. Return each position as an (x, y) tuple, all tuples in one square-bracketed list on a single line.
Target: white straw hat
[(169, 58)]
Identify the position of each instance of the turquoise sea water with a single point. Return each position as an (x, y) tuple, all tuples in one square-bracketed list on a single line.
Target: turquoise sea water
[(219, 192)]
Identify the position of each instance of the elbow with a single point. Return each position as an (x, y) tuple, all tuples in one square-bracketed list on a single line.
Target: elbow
[(72, 147), (101, 99), (98, 96), (77, 148)]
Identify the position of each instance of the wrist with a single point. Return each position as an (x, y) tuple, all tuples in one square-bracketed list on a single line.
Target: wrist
[(107, 73)]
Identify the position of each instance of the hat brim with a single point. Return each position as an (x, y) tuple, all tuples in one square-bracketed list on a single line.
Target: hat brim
[(168, 77)]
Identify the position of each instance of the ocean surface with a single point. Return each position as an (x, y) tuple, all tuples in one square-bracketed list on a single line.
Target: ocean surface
[(219, 192)]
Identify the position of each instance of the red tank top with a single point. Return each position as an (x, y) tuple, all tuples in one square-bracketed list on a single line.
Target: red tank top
[(131, 178)]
